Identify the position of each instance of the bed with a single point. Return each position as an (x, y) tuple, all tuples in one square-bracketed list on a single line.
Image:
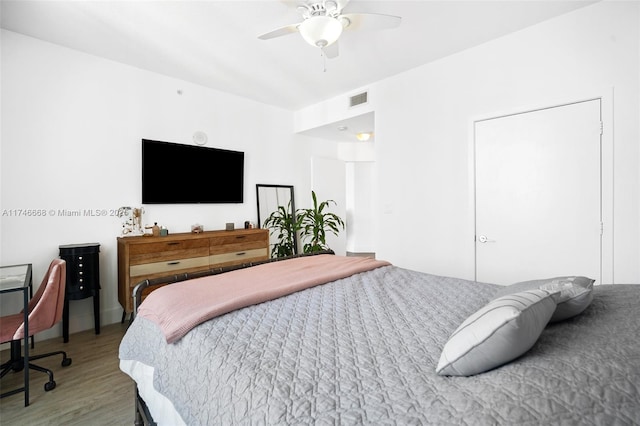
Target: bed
[(376, 345)]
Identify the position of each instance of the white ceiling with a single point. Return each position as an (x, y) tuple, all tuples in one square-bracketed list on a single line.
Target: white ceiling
[(214, 43)]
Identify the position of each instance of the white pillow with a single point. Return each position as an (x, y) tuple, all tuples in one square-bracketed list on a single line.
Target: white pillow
[(573, 296), (574, 293), (501, 331)]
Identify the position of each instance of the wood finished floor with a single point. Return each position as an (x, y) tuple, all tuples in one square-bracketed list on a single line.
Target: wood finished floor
[(91, 391)]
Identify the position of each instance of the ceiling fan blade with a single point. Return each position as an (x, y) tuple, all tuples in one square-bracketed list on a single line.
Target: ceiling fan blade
[(342, 4), (369, 21), (332, 50), (278, 32)]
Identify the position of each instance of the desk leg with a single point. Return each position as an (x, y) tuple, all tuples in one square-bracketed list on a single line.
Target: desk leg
[(26, 348), (33, 338), (96, 312), (65, 321)]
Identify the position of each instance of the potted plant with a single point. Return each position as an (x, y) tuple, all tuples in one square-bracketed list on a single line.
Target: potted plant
[(314, 223), (284, 227)]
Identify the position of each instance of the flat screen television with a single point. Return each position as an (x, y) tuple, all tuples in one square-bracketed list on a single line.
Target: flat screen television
[(174, 173)]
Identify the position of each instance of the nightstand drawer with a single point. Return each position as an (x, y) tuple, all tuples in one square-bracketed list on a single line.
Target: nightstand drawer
[(83, 279), (83, 275)]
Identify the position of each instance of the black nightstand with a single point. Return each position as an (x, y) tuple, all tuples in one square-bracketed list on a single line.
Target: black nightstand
[(83, 279)]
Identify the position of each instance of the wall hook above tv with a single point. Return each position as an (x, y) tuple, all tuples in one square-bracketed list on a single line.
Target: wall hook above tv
[(200, 138)]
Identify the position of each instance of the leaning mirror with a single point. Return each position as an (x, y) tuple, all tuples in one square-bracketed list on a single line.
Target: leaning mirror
[(276, 211)]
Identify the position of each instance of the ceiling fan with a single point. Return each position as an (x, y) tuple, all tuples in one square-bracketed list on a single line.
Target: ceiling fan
[(324, 20)]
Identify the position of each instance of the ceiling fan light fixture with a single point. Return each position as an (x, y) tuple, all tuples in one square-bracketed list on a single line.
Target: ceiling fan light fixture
[(320, 31)]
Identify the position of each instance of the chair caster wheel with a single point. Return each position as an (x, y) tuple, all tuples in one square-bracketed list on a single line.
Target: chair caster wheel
[(49, 386), (66, 362)]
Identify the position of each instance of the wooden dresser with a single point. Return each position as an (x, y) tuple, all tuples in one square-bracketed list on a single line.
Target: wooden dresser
[(141, 258)]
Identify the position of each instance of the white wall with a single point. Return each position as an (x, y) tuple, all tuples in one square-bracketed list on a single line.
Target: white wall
[(328, 181), (424, 194), (71, 130), (360, 206)]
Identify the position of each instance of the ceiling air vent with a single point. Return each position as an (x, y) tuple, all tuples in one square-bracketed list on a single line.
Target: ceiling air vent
[(358, 99)]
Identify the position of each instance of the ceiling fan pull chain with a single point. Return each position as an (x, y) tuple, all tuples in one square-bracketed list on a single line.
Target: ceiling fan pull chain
[(324, 59)]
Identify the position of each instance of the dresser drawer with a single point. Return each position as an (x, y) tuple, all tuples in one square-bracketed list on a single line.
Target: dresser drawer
[(163, 246), (236, 247), (164, 256), (167, 267), (237, 238), (235, 258)]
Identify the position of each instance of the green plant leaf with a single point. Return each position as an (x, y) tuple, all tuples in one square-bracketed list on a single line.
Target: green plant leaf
[(283, 226), (315, 222)]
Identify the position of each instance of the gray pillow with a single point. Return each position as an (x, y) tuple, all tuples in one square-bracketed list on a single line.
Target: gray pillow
[(573, 293), (501, 331)]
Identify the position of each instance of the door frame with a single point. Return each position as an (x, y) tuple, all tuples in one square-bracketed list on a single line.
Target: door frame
[(605, 97)]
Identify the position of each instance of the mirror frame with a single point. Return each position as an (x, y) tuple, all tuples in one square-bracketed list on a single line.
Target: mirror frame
[(275, 188)]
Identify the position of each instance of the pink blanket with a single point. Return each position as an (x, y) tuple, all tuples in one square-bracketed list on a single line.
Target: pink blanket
[(177, 308)]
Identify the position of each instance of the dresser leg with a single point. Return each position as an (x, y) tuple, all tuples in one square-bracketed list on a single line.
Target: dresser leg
[(65, 321), (96, 312)]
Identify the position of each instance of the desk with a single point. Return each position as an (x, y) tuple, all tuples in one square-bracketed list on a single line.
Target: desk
[(18, 278)]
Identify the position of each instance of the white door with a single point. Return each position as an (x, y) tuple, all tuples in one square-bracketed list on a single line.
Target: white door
[(538, 186)]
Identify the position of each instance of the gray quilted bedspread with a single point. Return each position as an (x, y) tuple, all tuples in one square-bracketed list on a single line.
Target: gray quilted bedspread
[(363, 350)]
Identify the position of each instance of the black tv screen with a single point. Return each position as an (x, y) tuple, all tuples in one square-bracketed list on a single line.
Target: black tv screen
[(184, 174)]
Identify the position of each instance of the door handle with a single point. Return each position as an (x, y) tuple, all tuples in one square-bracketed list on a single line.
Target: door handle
[(484, 239)]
